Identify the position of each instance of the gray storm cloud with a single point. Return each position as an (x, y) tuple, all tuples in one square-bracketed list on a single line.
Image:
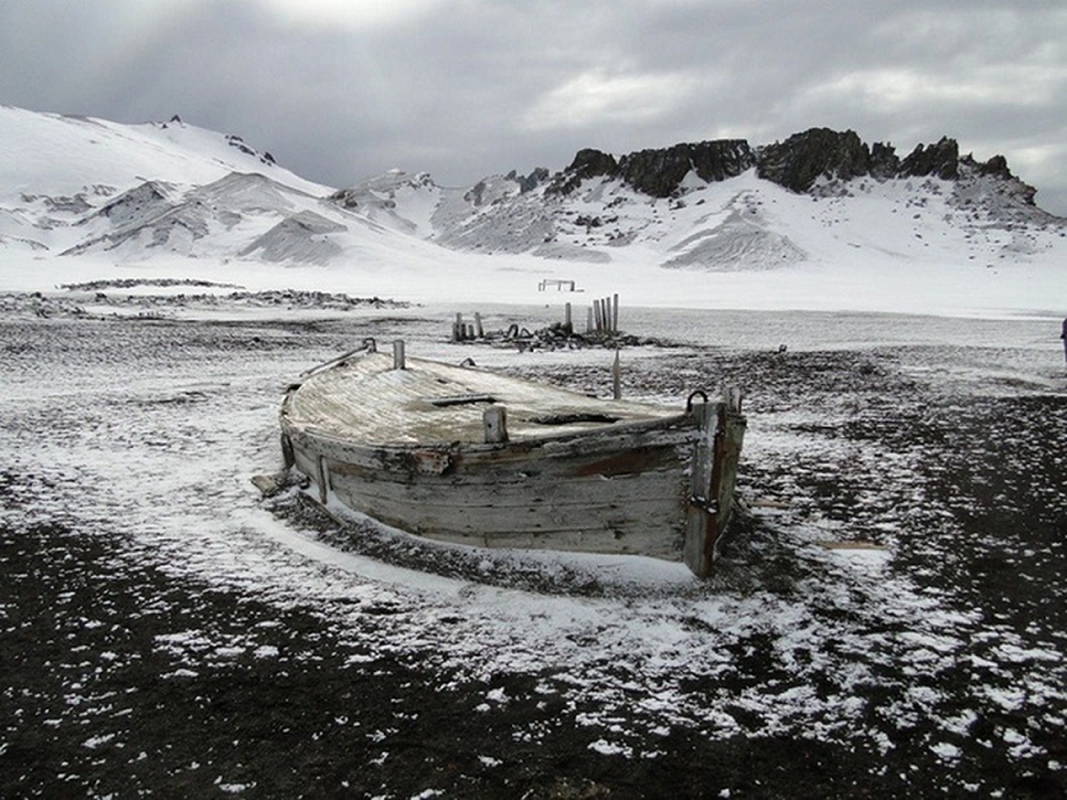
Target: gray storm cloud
[(341, 90)]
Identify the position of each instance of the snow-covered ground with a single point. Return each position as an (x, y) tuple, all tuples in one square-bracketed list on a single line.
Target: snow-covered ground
[(930, 660), (460, 278)]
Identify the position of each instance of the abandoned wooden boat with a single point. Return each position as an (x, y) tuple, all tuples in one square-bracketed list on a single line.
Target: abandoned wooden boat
[(464, 455)]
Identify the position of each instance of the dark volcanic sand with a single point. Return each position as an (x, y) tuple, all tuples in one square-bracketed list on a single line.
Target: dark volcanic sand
[(135, 663)]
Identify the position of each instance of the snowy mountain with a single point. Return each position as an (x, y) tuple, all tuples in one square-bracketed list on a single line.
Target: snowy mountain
[(72, 186), (726, 206), (819, 212)]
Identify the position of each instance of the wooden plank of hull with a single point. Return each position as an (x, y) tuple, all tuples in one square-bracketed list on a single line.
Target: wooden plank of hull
[(571, 499), (516, 490), (581, 521), (630, 515)]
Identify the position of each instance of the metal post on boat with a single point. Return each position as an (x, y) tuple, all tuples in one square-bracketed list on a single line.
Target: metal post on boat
[(495, 419), (398, 354)]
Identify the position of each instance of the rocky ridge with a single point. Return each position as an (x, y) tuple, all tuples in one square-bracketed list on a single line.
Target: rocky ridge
[(796, 164)]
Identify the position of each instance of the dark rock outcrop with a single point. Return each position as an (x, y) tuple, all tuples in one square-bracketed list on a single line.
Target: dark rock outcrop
[(656, 172), (884, 162), (722, 159), (997, 166), (941, 159), (474, 196), (660, 173), (345, 198), (533, 180), (803, 158), (236, 141), (588, 163), (529, 182), (796, 164)]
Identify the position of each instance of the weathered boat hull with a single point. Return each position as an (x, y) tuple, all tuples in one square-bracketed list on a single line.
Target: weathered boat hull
[(656, 487)]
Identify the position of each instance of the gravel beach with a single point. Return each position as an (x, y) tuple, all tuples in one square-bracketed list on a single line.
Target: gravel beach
[(890, 618)]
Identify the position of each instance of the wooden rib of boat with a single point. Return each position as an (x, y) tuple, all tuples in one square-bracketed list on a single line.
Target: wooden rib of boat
[(464, 455)]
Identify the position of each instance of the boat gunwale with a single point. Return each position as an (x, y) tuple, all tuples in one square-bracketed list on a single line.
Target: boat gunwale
[(610, 430)]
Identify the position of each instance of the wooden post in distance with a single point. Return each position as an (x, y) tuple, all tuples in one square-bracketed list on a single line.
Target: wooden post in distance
[(616, 377), (496, 424)]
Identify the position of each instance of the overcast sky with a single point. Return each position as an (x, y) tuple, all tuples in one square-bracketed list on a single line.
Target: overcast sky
[(338, 90)]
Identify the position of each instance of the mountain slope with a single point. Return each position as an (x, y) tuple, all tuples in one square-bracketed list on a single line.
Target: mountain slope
[(74, 186), (59, 172), (68, 155), (721, 205)]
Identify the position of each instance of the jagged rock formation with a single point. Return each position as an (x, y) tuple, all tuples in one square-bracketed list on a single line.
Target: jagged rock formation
[(803, 158), (797, 164), (531, 181), (941, 159), (659, 173), (588, 163)]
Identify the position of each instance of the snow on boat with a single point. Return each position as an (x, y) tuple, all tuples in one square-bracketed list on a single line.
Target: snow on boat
[(464, 455)]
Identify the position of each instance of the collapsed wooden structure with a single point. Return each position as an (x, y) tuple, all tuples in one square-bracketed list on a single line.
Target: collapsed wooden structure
[(465, 455)]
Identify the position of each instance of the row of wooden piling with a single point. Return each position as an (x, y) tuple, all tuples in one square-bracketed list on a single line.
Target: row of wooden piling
[(465, 332), (602, 317)]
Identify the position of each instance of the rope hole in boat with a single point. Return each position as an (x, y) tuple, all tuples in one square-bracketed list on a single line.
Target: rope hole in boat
[(692, 396)]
